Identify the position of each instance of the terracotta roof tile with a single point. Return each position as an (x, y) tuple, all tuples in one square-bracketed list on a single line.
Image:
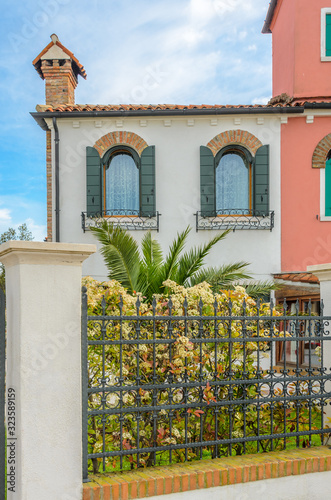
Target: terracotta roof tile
[(281, 101), (297, 277), (142, 107)]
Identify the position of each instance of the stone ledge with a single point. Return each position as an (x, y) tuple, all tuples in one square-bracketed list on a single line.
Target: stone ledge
[(190, 476)]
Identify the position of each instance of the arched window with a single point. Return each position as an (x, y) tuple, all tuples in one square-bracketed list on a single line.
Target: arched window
[(328, 185), (234, 180), (121, 181)]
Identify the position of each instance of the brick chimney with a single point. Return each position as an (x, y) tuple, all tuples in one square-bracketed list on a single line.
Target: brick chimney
[(60, 69)]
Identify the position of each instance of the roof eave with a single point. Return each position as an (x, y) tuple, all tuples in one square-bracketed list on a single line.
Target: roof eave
[(270, 15), (40, 116)]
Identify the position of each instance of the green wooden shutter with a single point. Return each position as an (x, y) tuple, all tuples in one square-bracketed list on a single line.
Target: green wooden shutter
[(261, 180), (93, 182), (147, 182), (328, 188), (207, 182), (328, 35)]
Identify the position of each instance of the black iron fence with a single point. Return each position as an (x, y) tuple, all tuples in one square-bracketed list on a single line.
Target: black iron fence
[(161, 388)]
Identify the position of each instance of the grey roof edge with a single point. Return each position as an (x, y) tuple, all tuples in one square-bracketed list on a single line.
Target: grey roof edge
[(270, 15), (40, 116)]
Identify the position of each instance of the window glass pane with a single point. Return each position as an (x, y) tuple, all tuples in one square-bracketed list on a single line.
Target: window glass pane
[(328, 35), (232, 183), (122, 184)]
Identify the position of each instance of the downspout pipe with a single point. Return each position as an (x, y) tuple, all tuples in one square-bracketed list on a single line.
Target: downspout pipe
[(57, 181)]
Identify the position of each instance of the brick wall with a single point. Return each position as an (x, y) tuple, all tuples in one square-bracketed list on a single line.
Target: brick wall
[(321, 152), (113, 138), (204, 474), (240, 137)]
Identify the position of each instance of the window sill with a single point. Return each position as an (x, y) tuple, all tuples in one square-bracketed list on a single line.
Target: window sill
[(325, 218), (131, 222), (230, 219)]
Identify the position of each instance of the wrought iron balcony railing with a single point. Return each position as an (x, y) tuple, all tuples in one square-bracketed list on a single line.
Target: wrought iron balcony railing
[(131, 220), (235, 219)]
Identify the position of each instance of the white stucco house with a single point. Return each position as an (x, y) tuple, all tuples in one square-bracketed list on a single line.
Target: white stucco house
[(161, 168)]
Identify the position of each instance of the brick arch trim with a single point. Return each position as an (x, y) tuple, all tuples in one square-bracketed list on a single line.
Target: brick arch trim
[(240, 137), (321, 152), (114, 138)]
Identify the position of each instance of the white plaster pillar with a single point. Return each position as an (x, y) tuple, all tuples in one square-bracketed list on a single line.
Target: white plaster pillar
[(323, 273), (43, 294)]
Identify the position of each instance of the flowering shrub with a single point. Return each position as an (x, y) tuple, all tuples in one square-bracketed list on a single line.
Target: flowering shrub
[(177, 376)]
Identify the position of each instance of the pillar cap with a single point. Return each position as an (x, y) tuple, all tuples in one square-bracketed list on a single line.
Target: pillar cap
[(322, 271), (40, 253)]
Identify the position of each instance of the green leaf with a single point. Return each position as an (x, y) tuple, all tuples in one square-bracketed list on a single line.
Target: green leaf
[(191, 261), (121, 254), (221, 277), (171, 261)]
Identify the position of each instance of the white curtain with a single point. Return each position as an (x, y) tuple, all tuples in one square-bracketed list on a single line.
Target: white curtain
[(122, 184), (232, 184)]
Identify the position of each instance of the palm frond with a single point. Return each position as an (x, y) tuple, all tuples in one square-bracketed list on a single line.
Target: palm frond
[(191, 261), (121, 254), (150, 280), (171, 261), (260, 289), (151, 250), (222, 276)]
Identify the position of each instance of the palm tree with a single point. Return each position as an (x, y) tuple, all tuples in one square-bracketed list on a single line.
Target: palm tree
[(145, 272)]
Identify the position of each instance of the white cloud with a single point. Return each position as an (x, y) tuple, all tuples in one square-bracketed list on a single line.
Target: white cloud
[(250, 8), (202, 11), (261, 100), (180, 38), (4, 215)]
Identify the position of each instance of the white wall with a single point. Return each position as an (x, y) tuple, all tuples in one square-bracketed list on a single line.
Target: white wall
[(177, 184)]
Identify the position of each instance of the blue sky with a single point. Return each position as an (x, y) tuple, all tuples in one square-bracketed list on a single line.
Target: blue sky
[(134, 51)]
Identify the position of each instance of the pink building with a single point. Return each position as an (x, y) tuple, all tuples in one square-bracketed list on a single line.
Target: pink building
[(301, 35)]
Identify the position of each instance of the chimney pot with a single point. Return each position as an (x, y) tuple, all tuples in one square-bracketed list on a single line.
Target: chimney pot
[(54, 38)]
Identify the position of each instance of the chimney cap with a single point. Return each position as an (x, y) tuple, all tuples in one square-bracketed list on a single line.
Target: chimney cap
[(77, 67), (54, 38)]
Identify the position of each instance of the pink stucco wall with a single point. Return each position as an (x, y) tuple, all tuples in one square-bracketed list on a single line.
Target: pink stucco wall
[(305, 239), (283, 48), (297, 66)]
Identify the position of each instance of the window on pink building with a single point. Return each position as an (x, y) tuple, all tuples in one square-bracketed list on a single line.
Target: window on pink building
[(326, 34)]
